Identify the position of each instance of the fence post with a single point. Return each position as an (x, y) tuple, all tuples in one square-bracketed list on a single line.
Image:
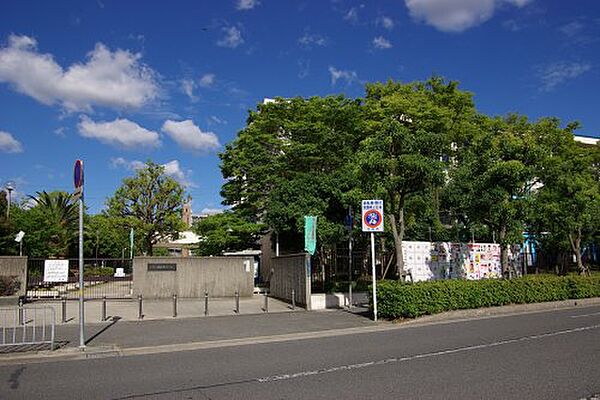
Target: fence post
[(20, 310), (174, 306), (103, 308), (64, 309), (140, 313), (293, 299), (206, 304), (266, 308)]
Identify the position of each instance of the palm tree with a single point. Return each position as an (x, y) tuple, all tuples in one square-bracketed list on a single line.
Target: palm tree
[(61, 212)]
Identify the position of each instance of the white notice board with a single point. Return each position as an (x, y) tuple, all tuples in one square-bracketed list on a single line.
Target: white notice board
[(56, 270)]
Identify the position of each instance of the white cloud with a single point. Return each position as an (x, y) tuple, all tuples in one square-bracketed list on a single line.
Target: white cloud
[(312, 39), (8, 144), (118, 162), (348, 76), (457, 15), (304, 68), (246, 4), (386, 22), (189, 136), (232, 39), (351, 15), (214, 120), (188, 86), (572, 29), (113, 79), (381, 43), (120, 133), (207, 80), (172, 169), (212, 211), (557, 73)]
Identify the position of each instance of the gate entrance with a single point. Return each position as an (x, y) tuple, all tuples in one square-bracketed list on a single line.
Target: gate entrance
[(102, 277)]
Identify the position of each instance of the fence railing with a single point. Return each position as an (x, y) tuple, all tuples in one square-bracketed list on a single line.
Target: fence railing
[(27, 328), (100, 280)]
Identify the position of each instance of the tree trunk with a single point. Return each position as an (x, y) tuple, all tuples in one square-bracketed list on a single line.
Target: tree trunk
[(149, 245), (504, 252), (398, 233), (576, 247)]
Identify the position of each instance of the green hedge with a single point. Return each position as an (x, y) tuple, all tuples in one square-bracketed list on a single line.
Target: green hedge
[(410, 300)]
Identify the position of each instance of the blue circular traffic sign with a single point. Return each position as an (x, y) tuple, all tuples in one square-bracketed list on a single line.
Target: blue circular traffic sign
[(78, 174), (373, 219)]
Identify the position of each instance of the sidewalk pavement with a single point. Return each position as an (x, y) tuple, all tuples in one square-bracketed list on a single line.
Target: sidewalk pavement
[(123, 330)]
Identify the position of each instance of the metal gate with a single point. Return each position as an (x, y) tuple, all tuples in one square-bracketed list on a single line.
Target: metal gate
[(27, 328), (102, 277)]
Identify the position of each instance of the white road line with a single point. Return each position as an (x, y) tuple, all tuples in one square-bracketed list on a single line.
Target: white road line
[(349, 367), (585, 315)]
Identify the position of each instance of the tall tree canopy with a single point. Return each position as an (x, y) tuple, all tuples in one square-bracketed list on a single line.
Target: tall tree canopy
[(150, 202), (567, 206), (292, 160), (410, 128), (226, 232)]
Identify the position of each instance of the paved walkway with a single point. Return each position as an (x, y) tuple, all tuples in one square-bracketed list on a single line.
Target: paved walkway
[(123, 329)]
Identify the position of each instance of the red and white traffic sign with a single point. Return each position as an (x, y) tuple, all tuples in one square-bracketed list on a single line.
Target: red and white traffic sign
[(372, 215)]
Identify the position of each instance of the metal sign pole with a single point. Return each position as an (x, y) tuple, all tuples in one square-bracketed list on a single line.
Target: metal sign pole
[(78, 183), (81, 305), (374, 277)]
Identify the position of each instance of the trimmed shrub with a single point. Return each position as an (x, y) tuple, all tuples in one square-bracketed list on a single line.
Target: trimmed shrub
[(409, 300), (9, 285)]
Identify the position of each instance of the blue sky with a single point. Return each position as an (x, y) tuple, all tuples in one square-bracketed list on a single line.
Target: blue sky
[(117, 83)]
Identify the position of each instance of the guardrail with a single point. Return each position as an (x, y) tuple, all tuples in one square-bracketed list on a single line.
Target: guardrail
[(27, 328)]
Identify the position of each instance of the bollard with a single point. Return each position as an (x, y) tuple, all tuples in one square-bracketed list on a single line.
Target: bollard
[(103, 308), (206, 304), (140, 313), (266, 308), (64, 309), (293, 299), (174, 306), (237, 302), (20, 311)]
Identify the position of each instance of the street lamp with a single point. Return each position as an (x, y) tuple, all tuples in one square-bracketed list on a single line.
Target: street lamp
[(10, 186)]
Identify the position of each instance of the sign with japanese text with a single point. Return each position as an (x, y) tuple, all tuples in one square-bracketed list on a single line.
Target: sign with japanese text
[(372, 215)]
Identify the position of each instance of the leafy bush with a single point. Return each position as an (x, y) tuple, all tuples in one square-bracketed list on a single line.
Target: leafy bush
[(410, 300), (9, 285), (98, 271)]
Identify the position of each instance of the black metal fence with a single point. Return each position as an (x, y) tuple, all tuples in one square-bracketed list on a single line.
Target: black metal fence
[(106, 277)]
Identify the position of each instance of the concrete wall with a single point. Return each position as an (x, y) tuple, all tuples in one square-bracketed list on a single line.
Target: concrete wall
[(15, 266), (220, 276), (291, 272)]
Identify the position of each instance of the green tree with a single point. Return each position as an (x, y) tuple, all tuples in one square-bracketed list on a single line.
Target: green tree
[(54, 218), (227, 231), (105, 236), (151, 202), (6, 228), (568, 204), (496, 172), (410, 128), (292, 160)]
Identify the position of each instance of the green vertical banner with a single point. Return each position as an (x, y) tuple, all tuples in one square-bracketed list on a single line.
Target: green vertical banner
[(310, 234)]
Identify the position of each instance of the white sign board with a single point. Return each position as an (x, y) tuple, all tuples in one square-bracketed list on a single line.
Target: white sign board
[(120, 273), (56, 270), (372, 215)]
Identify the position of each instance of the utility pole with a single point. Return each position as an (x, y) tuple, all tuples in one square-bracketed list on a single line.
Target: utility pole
[(9, 188)]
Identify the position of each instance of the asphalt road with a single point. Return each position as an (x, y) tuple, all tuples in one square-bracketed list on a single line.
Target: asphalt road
[(546, 355)]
